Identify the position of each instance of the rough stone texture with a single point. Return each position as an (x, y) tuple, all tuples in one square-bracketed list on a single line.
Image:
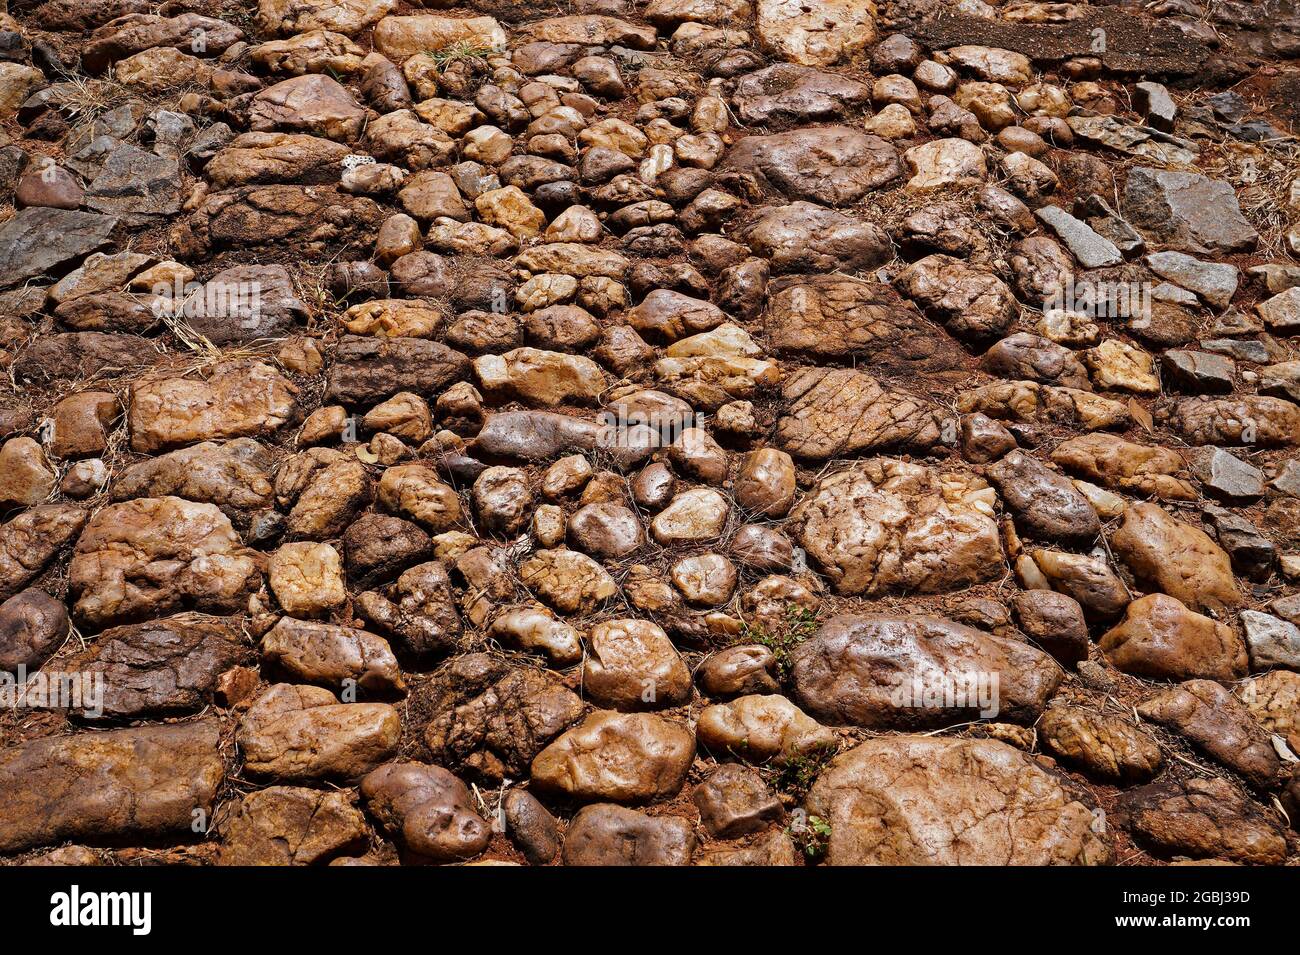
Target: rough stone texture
[(1187, 211), (897, 801), (367, 370), (285, 825), (26, 251), (1102, 745), (304, 733), (234, 475), (156, 555), (804, 237), (491, 720), (833, 31), (1126, 466), (1045, 503), (838, 411), (331, 655), (428, 809), (632, 665), (886, 525), (834, 166), (235, 401), (1204, 819), (32, 625), (1175, 558), (1211, 718), (620, 757), (167, 667), (1162, 639), (32, 539), (491, 364), (136, 783), (762, 729), (734, 801), (916, 672), (612, 835), (835, 317)]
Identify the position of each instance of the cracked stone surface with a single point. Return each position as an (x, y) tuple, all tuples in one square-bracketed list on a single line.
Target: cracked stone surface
[(612, 434)]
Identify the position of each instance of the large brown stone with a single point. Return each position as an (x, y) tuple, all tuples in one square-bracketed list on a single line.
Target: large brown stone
[(25, 476), (157, 555), (304, 733), (418, 612), (884, 526), (331, 655), (839, 411), (255, 158), (1045, 503), (617, 757), (326, 493), (289, 17), (1213, 719), (367, 370), (822, 34), (136, 32), (632, 665), (593, 30), (235, 400), (314, 221), (1256, 420), (78, 355), (428, 809), (1202, 818), (805, 237), (131, 784), (314, 103), (489, 719), (833, 165), (915, 800), (1161, 639), (1176, 558), (1031, 403), (838, 318), (567, 581), (539, 377), (1105, 746), (796, 93), (971, 301), (762, 729), (234, 475), (1273, 698), (401, 37), (32, 625), (31, 540), (285, 825), (615, 836), (166, 667), (1127, 466), (918, 672)]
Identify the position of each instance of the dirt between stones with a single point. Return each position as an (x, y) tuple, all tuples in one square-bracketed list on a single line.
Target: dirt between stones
[(695, 432)]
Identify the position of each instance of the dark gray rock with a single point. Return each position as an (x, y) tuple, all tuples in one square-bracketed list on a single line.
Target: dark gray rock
[(46, 241), (1198, 372), (135, 182), (1252, 553), (1187, 211), (1228, 477)]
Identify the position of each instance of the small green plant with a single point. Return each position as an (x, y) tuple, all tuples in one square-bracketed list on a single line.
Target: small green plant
[(811, 834), (800, 623), (797, 773), (460, 50)]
